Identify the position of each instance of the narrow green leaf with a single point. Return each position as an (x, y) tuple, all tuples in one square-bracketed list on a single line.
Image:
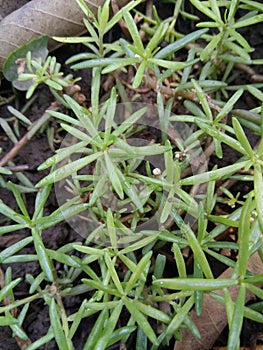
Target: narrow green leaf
[(243, 238), (109, 118), (6, 290), (138, 273), (141, 340), (232, 10), (113, 175), (5, 171), (198, 251), (40, 201), (83, 115), (157, 37), (87, 11), (256, 93), (258, 292), (93, 35), (41, 341), (237, 320), (111, 229), (14, 248), (19, 200), (215, 9), (11, 214), (213, 174), (86, 139), (248, 21), (11, 228), (109, 327), (240, 39), (96, 331), (103, 18), (241, 136), (159, 266), (56, 325), (101, 287), (213, 44), (203, 100), (229, 105), (220, 136), (96, 62), (192, 284), (167, 206), (203, 8), (122, 62), (63, 258), (141, 320), (141, 243), (179, 259), (62, 154), (180, 43), (64, 117), (115, 19), (258, 183), (89, 250), (130, 121), (64, 212), (229, 305), (44, 259), (180, 317), (19, 115), (19, 332), (133, 30), (152, 312), (110, 265), (175, 66), (139, 74), (68, 169), (74, 40), (7, 320), (236, 49)]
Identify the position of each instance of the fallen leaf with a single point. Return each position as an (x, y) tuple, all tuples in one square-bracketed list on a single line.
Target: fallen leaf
[(43, 18)]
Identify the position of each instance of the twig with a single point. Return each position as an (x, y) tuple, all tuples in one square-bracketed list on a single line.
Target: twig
[(24, 140), (254, 77), (122, 24)]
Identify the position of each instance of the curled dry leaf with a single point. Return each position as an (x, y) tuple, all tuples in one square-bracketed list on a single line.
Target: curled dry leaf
[(43, 18), (213, 317)]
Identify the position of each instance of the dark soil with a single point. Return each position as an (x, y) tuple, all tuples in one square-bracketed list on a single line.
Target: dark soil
[(33, 154)]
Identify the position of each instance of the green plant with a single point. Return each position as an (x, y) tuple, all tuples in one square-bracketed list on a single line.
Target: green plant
[(138, 219), (228, 39)]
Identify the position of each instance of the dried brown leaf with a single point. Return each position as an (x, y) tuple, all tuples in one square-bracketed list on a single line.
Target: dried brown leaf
[(39, 18)]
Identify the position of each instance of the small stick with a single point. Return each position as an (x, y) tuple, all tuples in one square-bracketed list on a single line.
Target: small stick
[(24, 140)]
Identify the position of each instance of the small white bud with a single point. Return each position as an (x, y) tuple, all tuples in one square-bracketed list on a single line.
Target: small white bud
[(157, 171)]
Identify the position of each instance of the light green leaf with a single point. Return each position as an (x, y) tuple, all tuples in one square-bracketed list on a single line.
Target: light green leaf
[(113, 175), (193, 284), (213, 174), (248, 21), (141, 320), (68, 169), (133, 30), (180, 43)]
